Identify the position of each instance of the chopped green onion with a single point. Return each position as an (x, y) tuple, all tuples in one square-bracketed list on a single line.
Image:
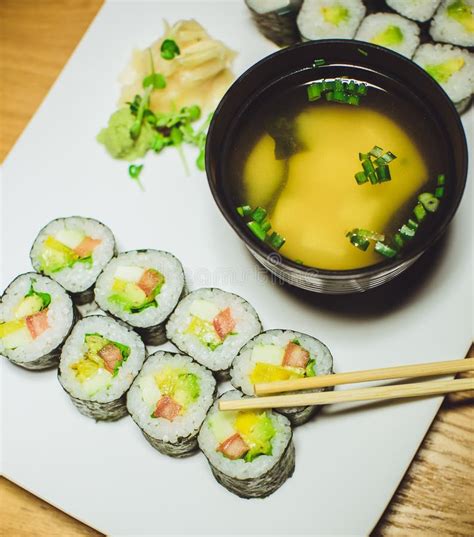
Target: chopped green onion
[(363, 52), (359, 242), (256, 229), (362, 89), (372, 235), (385, 159), (353, 99), (376, 151), (244, 210), (412, 224), (169, 49), (382, 160), (407, 232), (259, 215), (429, 202), (398, 240), (420, 212), (337, 95), (314, 92), (299, 261), (441, 179), (328, 85), (389, 156), (276, 240), (368, 166), (260, 226), (373, 178), (338, 85), (439, 192), (361, 237), (361, 178), (385, 250), (383, 173), (318, 62), (351, 86)]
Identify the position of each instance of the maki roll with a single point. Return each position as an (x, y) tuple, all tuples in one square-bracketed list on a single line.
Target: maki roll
[(454, 23), (36, 315), (390, 31), (251, 453), (212, 325), (276, 19), (73, 251), (98, 363), (325, 19), (452, 68), (277, 355), (417, 10), (169, 401), (142, 288)]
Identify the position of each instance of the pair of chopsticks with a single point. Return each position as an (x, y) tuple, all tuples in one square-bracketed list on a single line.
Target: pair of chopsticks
[(417, 389)]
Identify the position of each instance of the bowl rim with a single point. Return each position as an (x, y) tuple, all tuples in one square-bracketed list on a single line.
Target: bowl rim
[(262, 248)]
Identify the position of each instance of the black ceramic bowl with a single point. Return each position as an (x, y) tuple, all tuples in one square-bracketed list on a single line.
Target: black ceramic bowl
[(377, 65)]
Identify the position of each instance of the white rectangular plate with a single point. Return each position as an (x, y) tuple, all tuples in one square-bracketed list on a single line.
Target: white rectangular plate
[(349, 460)]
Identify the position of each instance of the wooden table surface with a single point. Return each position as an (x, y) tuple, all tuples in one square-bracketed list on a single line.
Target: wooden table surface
[(436, 496)]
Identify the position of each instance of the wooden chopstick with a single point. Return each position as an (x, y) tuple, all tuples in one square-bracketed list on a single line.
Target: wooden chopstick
[(417, 389), (385, 373)]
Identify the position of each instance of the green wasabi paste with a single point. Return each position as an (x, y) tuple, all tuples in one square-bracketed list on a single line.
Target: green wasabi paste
[(117, 140)]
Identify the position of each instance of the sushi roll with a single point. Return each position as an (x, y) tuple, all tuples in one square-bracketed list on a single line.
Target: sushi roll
[(454, 23), (142, 288), (452, 68), (390, 31), (98, 363), (276, 19), (281, 355), (326, 19), (251, 453), (417, 10), (212, 325), (73, 251), (36, 316), (169, 401)]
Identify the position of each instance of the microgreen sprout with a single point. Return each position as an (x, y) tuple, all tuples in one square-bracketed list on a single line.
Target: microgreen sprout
[(169, 49), (134, 171)]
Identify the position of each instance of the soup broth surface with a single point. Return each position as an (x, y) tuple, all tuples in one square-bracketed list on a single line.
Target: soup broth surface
[(311, 194)]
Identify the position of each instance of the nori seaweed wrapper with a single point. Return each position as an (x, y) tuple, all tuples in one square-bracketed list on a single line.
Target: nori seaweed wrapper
[(280, 25)]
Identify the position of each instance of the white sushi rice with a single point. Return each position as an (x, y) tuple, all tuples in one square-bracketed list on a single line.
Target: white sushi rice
[(268, 6), (60, 316), (449, 30), (247, 326), (75, 348), (172, 288), (239, 468), (141, 409), (377, 23), (80, 276), (418, 10), (460, 85), (312, 24), (244, 363)]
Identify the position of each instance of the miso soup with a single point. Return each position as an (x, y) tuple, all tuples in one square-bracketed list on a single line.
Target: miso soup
[(298, 160)]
